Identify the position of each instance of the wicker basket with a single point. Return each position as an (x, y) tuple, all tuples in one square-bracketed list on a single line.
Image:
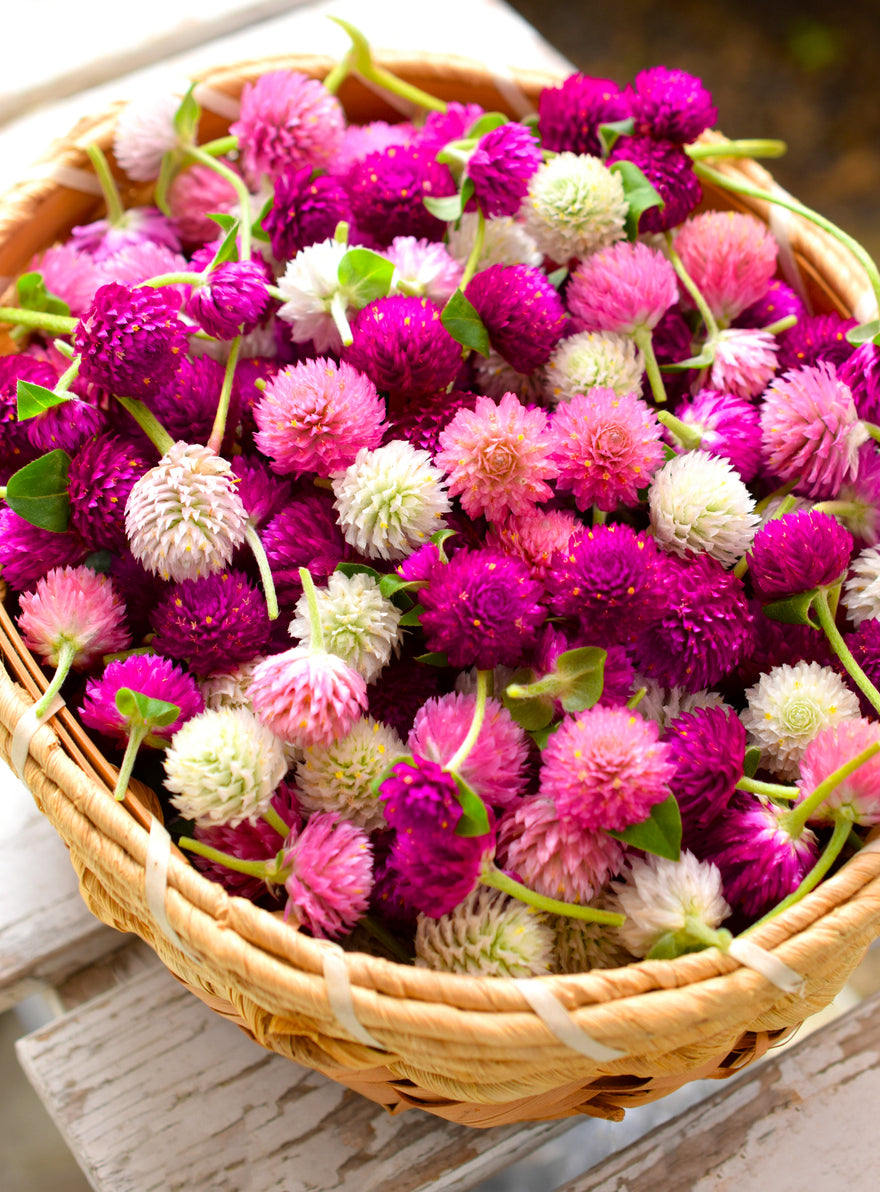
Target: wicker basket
[(474, 1050)]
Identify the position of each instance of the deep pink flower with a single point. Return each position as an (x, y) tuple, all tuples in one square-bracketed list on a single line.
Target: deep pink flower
[(569, 115), (306, 210), (421, 422), (152, 676), (500, 168), (251, 840), (232, 301), (729, 426), (402, 346), (287, 119), (522, 312), (621, 288), (101, 476), (671, 104), (212, 623), (797, 552), (304, 534), (27, 553), (814, 338), (387, 192), (669, 169), (196, 193), (707, 747), (307, 697), (71, 275), (331, 875)]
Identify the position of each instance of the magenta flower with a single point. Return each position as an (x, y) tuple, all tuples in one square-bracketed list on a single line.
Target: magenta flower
[(66, 426), (232, 300), (331, 875), (387, 192), (212, 623), (730, 256), (797, 552), (500, 168), (605, 768), (287, 120), (360, 139), (621, 288), (607, 447), (402, 346), (708, 748), (861, 373), (569, 115), (671, 105), (522, 312), (729, 426), (101, 476), (73, 606), (304, 534), (149, 674), (307, 697), (27, 553), (857, 798), (421, 422), (814, 338), (187, 404), (668, 168), (451, 125), (138, 225), (306, 210), (262, 493), (777, 302)]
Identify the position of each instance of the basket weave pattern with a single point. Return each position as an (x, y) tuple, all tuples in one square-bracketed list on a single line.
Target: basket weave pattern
[(468, 1049)]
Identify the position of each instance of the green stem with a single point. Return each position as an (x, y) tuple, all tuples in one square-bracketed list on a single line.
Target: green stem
[(219, 427), (839, 837), (66, 655), (782, 491), (175, 279), (308, 584), (644, 342), (220, 147), (872, 429), (636, 698), (691, 287), (842, 509), (476, 252), (473, 732), (773, 789), (599, 516), (2, 492), (746, 147), (274, 820), (270, 871), (689, 437), (795, 820), (109, 189), (68, 376), (63, 348), (780, 325), (137, 734), (238, 185), (252, 538), (340, 72), (840, 648), (148, 422), (360, 58), (710, 936), (39, 320), (502, 881)]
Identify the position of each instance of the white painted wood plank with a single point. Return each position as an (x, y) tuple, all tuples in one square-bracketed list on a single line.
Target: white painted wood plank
[(155, 1093), (803, 1119), (46, 931)]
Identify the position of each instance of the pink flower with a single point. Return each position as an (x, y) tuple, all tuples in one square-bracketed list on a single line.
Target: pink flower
[(535, 537), (857, 798), (426, 267), (287, 119), (730, 256), (497, 457), (745, 360), (307, 697), (621, 288), (331, 875), (607, 447), (74, 606), (195, 194)]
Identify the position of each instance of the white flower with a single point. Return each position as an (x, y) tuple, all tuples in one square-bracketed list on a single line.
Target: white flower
[(144, 133), (487, 935), (223, 766), (424, 268), (309, 284), (698, 503), (659, 896), (581, 945), (861, 592), (338, 777), (665, 704), (506, 242), (390, 500), (745, 360), (575, 205), (593, 360), (360, 624), (788, 706), (229, 689)]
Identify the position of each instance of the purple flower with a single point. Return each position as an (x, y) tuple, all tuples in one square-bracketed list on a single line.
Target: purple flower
[(451, 125), (778, 302), (729, 426), (569, 115), (402, 346), (422, 422), (305, 534), (27, 553), (187, 403), (797, 552), (101, 476), (522, 312), (814, 338), (861, 372), (232, 300), (864, 645), (66, 426), (306, 210), (387, 190), (671, 105), (482, 609), (406, 685), (212, 623), (138, 225), (669, 169), (708, 748), (14, 440), (500, 168), (155, 677), (262, 493)]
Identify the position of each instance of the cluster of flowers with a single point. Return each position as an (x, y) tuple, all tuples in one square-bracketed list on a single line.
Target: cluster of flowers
[(403, 393)]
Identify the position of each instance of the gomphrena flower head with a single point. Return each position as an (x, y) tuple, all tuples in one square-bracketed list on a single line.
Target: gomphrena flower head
[(184, 518), (815, 338), (482, 609), (857, 798), (731, 258), (778, 301), (745, 360), (306, 209), (387, 191), (497, 458), (864, 645), (71, 275), (339, 777), (607, 447), (186, 404), (144, 132), (500, 168), (262, 493), (671, 105), (861, 373), (212, 622), (450, 125), (360, 139), (621, 288), (223, 766), (811, 430), (286, 120), (358, 623), (403, 347), (582, 946), (101, 476), (425, 268), (310, 284), (707, 747), (699, 504), (659, 896), (331, 875), (104, 238), (797, 552), (196, 193), (665, 705), (315, 416), (592, 360), (420, 422), (704, 631), (158, 678), (505, 242), (74, 606), (570, 114), (232, 300), (861, 591), (307, 697), (729, 426), (860, 512), (789, 706), (575, 206), (551, 854), (537, 538), (670, 171), (405, 686), (131, 340), (65, 427), (496, 766), (27, 553), (303, 534), (390, 500), (487, 935)]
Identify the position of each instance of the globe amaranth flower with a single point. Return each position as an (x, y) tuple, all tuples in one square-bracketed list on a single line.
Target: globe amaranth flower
[(592, 360), (130, 340), (360, 139), (861, 591), (670, 171), (425, 268), (223, 766), (797, 552), (196, 193), (859, 510), (778, 301), (487, 935), (143, 133), (570, 114), (496, 765), (330, 878), (481, 609), (698, 503), (104, 238), (186, 405), (505, 242), (401, 344), (815, 338), (575, 206), (262, 493), (664, 705), (212, 622), (659, 896), (315, 416), (671, 105), (731, 258), (449, 125), (232, 300), (405, 687), (155, 677), (860, 372), (500, 168), (306, 209), (390, 500), (497, 458), (358, 623), (307, 697), (286, 120), (73, 606), (857, 797), (387, 191), (421, 422), (582, 946), (745, 360), (707, 747), (71, 275), (101, 477), (605, 768), (728, 426), (811, 431), (303, 534), (621, 288), (789, 706), (537, 538), (66, 426), (27, 553), (339, 777), (607, 447), (183, 517)]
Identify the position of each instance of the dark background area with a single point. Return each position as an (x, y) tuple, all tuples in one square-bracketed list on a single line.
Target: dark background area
[(807, 73)]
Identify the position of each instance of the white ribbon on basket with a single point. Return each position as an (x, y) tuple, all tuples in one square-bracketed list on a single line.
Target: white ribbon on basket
[(753, 956), (561, 1024), (340, 997), (218, 102), (69, 176), (156, 884), (24, 733)]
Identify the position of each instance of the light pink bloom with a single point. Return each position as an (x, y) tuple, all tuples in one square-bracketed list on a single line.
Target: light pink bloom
[(536, 537), (331, 875), (70, 275), (730, 256), (287, 120), (856, 798), (607, 446), (425, 267), (745, 360), (497, 457), (810, 430), (621, 288), (195, 194), (74, 605), (144, 133), (307, 697)]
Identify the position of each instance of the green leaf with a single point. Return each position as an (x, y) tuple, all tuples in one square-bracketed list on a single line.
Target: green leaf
[(488, 122), (228, 249), (139, 708), (186, 118), (542, 735), (474, 816), (659, 834), (666, 948), (794, 610), (465, 326), (413, 617), (257, 230), (439, 537), (365, 276), (433, 659), (33, 295), (99, 560), (558, 276), (38, 492), (350, 569), (531, 714), (610, 133), (36, 399), (170, 164), (865, 333), (449, 208), (751, 761), (639, 193), (390, 585)]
